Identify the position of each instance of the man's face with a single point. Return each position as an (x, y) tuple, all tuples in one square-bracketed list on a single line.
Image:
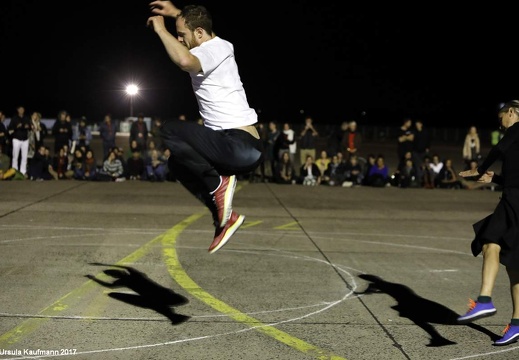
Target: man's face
[(184, 35)]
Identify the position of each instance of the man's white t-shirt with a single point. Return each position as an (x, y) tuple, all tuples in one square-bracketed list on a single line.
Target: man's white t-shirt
[(218, 88)]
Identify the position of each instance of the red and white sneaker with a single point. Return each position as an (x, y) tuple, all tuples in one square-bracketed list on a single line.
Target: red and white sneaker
[(222, 198), (223, 234)]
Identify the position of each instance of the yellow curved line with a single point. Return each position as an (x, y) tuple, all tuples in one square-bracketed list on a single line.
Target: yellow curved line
[(178, 273)]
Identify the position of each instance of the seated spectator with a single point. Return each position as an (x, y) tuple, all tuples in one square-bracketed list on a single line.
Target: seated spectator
[(353, 175), (11, 174), (436, 165), (112, 168), (309, 173), (164, 157), (426, 174), (134, 146), (448, 178), (370, 162), (378, 175), (78, 165), (5, 161), (41, 165), (155, 167), (90, 165), (60, 168), (471, 184), (136, 166), (323, 161), (332, 175), (119, 153), (284, 170), (407, 174)]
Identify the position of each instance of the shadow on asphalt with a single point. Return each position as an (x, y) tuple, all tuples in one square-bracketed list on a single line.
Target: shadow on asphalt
[(421, 311), (149, 294)]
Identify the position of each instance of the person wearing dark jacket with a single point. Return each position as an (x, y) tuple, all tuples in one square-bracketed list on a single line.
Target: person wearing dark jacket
[(497, 235)]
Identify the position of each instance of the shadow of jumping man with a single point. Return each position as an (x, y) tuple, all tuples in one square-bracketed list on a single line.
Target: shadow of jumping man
[(148, 295), (421, 311)]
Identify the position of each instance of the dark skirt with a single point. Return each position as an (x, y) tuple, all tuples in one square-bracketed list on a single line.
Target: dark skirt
[(501, 227)]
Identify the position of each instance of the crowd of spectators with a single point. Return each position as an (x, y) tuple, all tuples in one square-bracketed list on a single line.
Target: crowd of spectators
[(345, 161), (292, 156), (25, 154)]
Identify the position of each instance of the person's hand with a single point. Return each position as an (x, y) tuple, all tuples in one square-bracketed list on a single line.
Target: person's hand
[(156, 23), (469, 173), (164, 8), (486, 177)]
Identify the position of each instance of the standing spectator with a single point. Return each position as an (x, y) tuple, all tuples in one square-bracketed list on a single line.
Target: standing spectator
[(307, 140), (271, 150), (107, 132), (471, 146), (62, 132), (154, 132), (335, 144), (405, 138), (421, 143), (289, 138), (139, 132), (4, 136), (495, 136), (351, 140), (37, 134), (263, 133), (19, 128), (82, 135)]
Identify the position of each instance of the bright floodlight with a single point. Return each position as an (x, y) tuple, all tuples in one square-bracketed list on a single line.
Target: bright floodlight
[(132, 89)]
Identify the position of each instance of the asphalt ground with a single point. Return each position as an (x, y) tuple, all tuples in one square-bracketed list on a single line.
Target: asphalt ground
[(92, 270)]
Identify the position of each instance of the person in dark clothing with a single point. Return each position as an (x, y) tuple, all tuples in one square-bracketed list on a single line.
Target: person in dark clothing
[(405, 138), (39, 166), (421, 142), (107, 132), (62, 132), (139, 132), (496, 236), (4, 136), (206, 159)]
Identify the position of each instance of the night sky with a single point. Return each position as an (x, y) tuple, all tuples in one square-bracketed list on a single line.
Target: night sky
[(450, 67)]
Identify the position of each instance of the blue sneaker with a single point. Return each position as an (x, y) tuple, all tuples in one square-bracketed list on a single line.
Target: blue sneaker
[(510, 335), (477, 311)]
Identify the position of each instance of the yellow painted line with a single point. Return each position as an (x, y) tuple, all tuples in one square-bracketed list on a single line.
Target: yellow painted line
[(178, 273), (248, 224), (290, 226), (30, 325)]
